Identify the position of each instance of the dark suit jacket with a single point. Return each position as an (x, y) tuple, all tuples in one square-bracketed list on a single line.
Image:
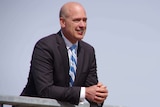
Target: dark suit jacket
[(49, 70)]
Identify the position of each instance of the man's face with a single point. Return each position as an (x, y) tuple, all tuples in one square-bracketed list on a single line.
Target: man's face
[(74, 26)]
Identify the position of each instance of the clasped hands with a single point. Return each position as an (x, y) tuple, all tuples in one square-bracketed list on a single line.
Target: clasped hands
[(96, 93)]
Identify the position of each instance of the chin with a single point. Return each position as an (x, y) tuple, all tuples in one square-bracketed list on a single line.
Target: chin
[(79, 38)]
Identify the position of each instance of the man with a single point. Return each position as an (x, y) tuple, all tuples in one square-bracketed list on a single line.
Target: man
[(51, 65)]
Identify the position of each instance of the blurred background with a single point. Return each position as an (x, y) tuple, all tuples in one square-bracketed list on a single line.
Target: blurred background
[(125, 34)]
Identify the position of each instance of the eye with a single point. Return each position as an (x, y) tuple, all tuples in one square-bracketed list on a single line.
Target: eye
[(77, 20), (85, 20)]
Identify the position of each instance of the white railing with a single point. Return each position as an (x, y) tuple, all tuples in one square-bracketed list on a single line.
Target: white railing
[(37, 102)]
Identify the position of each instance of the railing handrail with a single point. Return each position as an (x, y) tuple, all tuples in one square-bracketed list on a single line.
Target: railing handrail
[(37, 102)]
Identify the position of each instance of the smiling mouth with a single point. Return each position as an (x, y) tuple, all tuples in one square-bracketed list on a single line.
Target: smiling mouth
[(80, 32)]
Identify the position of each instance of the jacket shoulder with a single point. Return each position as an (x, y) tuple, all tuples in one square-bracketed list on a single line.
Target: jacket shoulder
[(86, 45)]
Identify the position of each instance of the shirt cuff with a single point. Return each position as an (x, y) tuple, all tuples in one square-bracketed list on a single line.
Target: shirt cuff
[(82, 94)]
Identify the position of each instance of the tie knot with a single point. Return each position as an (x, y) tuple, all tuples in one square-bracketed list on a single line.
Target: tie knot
[(73, 47)]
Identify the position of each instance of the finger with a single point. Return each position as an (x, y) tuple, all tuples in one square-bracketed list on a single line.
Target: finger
[(102, 89), (99, 84), (98, 99), (102, 95)]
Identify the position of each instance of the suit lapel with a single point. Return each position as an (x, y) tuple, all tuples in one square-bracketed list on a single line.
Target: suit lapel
[(80, 59), (64, 54)]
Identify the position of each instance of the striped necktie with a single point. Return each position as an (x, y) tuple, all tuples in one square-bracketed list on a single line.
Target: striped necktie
[(73, 63)]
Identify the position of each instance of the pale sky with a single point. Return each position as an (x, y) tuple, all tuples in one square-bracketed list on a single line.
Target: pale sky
[(125, 34)]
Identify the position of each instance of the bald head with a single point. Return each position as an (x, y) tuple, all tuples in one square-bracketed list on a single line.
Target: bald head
[(68, 8)]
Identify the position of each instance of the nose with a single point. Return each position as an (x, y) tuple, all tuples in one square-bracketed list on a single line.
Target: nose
[(82, 23)]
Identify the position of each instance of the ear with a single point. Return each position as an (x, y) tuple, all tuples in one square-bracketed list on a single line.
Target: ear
[(62, 22)]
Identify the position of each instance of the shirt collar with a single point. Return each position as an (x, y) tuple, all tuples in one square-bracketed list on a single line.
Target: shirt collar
[(67, 42)]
